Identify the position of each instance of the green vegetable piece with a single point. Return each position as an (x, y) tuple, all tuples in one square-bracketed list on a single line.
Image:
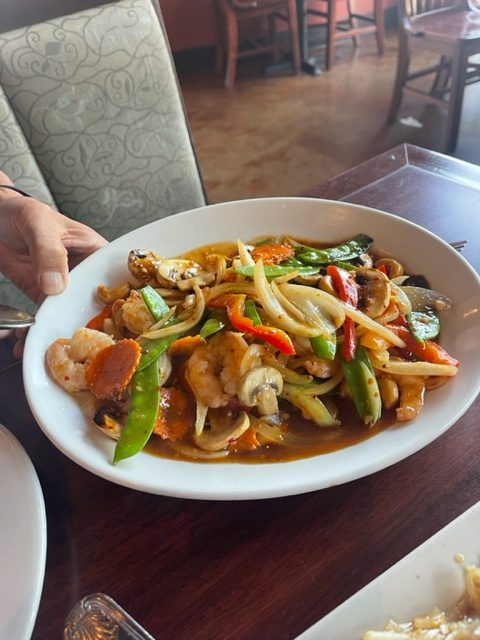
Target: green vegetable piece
[(324, 346), (153, 349), (361, 381), (312, 408), (155, 303), (250, 311), (211, 326), (423, 325), (348, 266), (266, 241), (142, 414), (277, 270), (346, 251)]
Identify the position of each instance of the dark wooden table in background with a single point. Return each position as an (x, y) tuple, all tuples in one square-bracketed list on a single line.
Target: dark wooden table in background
[(266, 569)]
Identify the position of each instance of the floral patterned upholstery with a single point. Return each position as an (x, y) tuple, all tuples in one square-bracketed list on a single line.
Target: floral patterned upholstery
[(96, 96)]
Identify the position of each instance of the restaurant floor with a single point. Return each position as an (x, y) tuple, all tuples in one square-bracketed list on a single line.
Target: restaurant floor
[(279, 134)]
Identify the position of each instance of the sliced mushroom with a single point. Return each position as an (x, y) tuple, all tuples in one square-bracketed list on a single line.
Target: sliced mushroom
[(393, 267), (375, 291), (143, 264), (260, 387), (107, 419), (183, 274), (224, 428)]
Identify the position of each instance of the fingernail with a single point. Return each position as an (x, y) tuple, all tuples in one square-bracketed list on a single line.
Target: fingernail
[(52, 282)]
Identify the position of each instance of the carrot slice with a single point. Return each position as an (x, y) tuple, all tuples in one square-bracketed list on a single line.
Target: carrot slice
[(176, 414), (273, 253), (247, 442), (110, 370), (185, 346), (97, 321)]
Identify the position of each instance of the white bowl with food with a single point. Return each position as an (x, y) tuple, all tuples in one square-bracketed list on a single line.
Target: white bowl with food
[(256, 349)]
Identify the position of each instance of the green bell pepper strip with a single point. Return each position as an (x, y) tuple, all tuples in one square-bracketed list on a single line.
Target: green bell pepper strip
[(250, 311), (277, 270), (345, 251), (155, 303), (423, 325), (211, 326), (361, 381), (324, 346), (142, 414)]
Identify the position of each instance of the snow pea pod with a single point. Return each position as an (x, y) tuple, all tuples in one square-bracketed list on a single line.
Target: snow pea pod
[(423, 325), (345, 251), (277, 270), (155, 303), (142, 414), (211, 326), (361, 381)]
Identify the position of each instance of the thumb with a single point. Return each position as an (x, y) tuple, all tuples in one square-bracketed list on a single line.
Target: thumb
[(49, 260)]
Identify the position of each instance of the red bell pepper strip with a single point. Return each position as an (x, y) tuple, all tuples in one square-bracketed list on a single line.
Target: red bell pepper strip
[(235, 304), (97, 321), (346, 287), (428, 350)]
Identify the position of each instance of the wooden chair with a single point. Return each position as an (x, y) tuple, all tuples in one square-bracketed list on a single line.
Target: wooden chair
[(234, 13), (453, 33), (350, 27)]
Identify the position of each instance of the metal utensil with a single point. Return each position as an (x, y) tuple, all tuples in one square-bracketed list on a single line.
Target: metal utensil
[(459, 245), (11, 318)]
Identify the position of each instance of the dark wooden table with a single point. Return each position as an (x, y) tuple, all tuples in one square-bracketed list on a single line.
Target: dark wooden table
[(261, 569)]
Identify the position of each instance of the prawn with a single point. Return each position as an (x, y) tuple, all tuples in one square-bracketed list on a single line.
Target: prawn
[(213, 370), (67, 359), (136, 316)]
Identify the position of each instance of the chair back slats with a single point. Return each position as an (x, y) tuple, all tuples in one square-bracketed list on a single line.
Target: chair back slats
[(417, 7)]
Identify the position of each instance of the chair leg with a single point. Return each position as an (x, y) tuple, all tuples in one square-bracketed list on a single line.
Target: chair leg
[(351, 24), (403, 62), (272, 36), (459, 72), (380, 25), (294, 36), (331, 29), (442, 76), (232, 49)]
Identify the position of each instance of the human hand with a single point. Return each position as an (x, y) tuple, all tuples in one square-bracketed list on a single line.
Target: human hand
[(38, 245)]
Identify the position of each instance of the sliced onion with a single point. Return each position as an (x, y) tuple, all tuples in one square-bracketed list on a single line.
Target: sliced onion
[(245, 257), (325, 387), (319, 308), (164, 368), (186, 325), (421, 298), (246, 287), (402, 299), (420, 368), (362, 319)]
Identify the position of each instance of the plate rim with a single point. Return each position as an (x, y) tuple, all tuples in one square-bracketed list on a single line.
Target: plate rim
[(34, 490)]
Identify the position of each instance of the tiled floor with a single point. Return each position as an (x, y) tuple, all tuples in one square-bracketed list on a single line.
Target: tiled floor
[(279, 135)]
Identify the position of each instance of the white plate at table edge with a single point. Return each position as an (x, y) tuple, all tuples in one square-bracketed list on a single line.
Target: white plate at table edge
[(427, 577), (23, 543), (246, 218)]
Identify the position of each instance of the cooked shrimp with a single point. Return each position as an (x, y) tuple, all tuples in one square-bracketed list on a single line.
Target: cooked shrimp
[(213, 370), (67, 359), (136, 316)]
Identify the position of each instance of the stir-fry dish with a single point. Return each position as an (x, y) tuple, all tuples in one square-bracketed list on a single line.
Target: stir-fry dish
[(264, 351), (462, 623)]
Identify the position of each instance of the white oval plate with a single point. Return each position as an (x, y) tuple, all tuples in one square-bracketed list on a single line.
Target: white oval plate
[(23, 540), (427, 577), (72, 432)]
